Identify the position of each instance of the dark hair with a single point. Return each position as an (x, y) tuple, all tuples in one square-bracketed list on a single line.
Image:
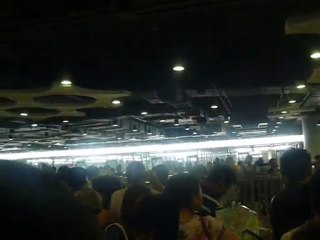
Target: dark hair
[(295, 164), (78, 178), (106, 186), (132, 196), (135, 173), (222, 174), (158, 217), (33, 203), (181, 189), (162, 173)]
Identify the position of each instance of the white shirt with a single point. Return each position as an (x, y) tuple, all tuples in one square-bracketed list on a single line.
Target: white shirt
[(116, 200)]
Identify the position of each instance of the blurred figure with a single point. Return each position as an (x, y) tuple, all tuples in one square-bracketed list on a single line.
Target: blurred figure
[(311, 229), (291, 207), (131, 198), (316, 163), (199, 171), (91, 199), (273, 166), (135, 175), (162, 173), (248, 161), (156, 218), (35, 206), (92, 173), (230, 162), (220, 179), (185, 193), (209, 166), (119, 172)]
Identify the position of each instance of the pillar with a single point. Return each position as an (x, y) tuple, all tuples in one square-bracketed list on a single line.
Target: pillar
[(311, 133)]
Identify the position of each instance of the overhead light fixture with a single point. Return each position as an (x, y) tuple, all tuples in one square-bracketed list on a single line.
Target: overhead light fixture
[(162, 121), (10, 139), (187, 129), (214, 106), (24, 114), (237, 126), (279, 122), (119, 138), (155, 147), (301, 86), (34, 125), (234, 132), (262, 125), (281, 117), (178, 68), (226, 121), (277, 126), (318, 123), (194, 133), (274, 130), (144, 113), (66, 83), (315, 55), (84, 134), (176, 122), (292, 101), (65, 121), (284, 112), (116, 102)]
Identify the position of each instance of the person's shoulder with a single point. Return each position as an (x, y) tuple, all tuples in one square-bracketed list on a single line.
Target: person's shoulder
[(288, 235)]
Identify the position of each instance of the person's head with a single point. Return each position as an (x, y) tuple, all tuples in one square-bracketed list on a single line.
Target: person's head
[(184, 191), (93, 172), (230, 161), (162, 173), (90, 199), (259, 162), (78, 178), (33, 204), (156, 218), (317, 160), (106, 186), (221, 178), (295, 165), (135, 173), (248, 160), (119, 168), (132, 197), (199, 171), (273, 163)]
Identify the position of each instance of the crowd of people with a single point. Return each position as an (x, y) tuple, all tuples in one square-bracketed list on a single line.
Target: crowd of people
[(79, 203)]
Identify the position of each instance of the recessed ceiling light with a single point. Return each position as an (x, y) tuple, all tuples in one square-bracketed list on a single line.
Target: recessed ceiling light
[(178, 68), (119, 138), (10, 139), (194, 133), (187, 129), (234, 132), (281, 117), (279, 122), (34, 125), (149, 133), (144, 113), (84, 134), (276, 126), (65, 121), (134, 130), (24, 114), (262, 124), (292, 101), (301, 86), (284, 112), (226, 121), (214, 106), (315, 55), (116, 102), (66, 83), (162, 121), (274, 130)]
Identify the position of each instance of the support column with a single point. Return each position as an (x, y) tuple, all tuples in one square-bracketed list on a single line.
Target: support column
[(311, 133)]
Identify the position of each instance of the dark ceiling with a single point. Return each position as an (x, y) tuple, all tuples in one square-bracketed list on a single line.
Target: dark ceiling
[(134, 44), (235, 53)]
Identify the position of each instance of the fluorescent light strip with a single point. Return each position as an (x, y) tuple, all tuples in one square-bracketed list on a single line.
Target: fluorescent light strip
[(154, 148)]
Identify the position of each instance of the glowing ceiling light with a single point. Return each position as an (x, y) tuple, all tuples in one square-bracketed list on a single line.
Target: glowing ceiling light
[(301, 86), (162, 121), (279, 122), (292, 101), (65, 121), (226, 121), (284, 112), (116, 102), (34, 125), (178, 68), (187, 129), (84, 134), (144, 113), (281, 117), (66, 83), (262, 125), (155, 148), (315, 55), (214, 106), (24, 114)]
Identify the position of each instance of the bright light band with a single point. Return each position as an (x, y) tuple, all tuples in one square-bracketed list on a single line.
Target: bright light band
[(155, 148)]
